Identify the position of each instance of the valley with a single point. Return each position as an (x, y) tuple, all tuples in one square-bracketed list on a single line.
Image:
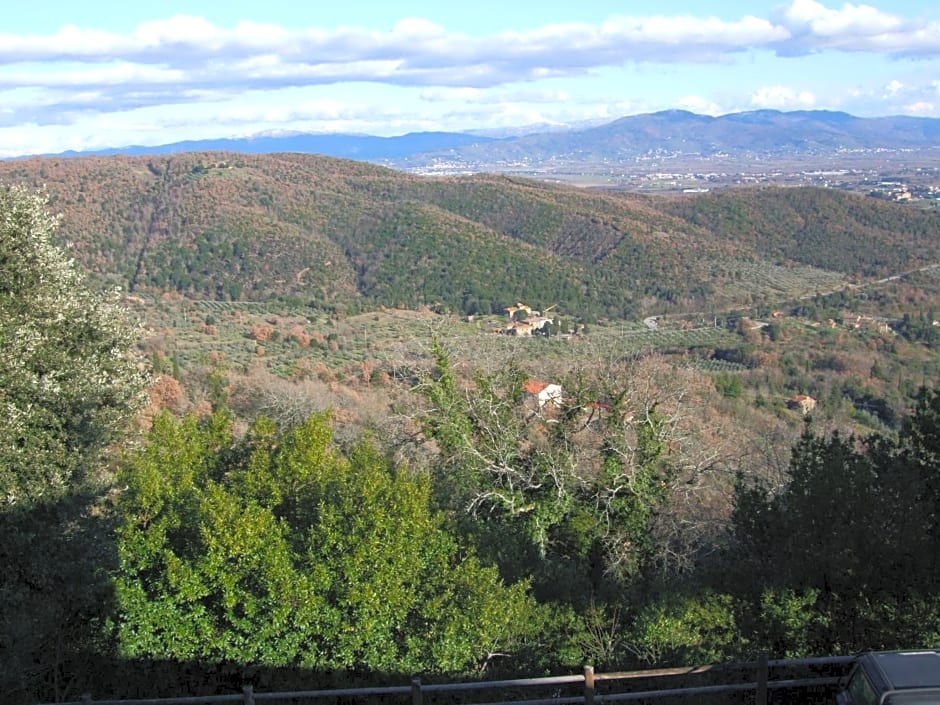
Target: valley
[(451, 353), (306, 267), (582, 412)]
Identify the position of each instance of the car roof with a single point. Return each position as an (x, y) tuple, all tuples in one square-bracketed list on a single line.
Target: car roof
[(907, 669), (912, 697)]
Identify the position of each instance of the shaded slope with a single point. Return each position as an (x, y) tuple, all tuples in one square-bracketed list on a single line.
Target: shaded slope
[(333, 233), (830, 229)]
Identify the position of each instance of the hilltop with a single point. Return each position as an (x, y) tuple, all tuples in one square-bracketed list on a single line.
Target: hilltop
[(337, 234)]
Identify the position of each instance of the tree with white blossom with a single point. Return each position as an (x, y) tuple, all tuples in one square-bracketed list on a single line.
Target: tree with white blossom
[(69, 380)]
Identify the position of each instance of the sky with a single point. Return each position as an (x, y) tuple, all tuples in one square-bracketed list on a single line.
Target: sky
[(94, 74)]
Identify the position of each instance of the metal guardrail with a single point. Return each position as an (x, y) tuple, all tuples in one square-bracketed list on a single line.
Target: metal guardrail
[(416, 691)]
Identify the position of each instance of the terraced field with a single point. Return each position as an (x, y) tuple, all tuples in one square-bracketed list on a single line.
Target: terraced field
[(749, 281), (292, 342)]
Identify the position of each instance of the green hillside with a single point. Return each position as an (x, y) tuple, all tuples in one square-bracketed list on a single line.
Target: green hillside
[(334, 234), (824, 228)]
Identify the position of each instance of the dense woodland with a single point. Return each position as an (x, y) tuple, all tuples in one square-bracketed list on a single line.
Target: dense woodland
[(220, 519), (340, 235)]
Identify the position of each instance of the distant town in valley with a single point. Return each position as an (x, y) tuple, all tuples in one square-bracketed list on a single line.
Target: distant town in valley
[(893, 158), (901, 176)]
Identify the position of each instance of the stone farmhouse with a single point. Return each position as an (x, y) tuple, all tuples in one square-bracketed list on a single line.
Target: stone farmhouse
[(802, 403), (534, 320)]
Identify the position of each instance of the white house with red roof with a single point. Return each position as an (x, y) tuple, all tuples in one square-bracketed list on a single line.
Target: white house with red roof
[(544, 392)]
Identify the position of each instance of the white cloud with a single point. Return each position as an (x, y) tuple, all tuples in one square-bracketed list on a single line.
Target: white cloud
[(182, 31), (493, 97), (921, 107), (710, 31), (893, 88), (418, 28), (700, 105), (118, 74), (813, 18), (782, 98), (186, 68), (192, 53), (442, 95), (856, 28), (914, 95)]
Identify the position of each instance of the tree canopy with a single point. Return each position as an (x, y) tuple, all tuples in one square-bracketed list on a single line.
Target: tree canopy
[(282, 550), (852, 537), (69, 385), (68, 379)]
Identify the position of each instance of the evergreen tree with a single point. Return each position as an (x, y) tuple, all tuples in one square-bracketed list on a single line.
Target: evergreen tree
[(69, 384), (852, 536), (281, 550), (68, 378)]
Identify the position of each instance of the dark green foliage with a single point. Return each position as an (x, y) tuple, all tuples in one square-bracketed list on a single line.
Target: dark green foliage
[(826, 228), (55, 593), (280, 550), (921, 328), (283, 549), (568, 490), (728, 385), (685, 628), (853, 535), (68, 387), (417, 254)]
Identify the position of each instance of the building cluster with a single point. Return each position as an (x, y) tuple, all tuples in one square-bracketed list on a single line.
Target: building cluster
[(524, 320)]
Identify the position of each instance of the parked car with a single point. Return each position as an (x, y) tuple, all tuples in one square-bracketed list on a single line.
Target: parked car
[(893, 678)]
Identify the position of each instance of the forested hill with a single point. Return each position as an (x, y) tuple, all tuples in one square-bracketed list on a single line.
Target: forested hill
[(830, 229), (345, 234)]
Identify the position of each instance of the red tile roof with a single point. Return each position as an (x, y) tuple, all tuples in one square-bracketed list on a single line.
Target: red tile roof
[(533, 386)]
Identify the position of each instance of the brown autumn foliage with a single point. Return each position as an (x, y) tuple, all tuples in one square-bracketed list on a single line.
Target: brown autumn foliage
[(300, 336), (261, 333), (167, 393)]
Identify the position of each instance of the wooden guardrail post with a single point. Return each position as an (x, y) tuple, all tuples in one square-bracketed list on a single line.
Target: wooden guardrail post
[(249, 691), (589, 685), (760, 697), (417, 697)]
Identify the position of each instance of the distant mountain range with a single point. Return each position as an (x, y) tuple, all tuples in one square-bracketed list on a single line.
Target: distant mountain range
[(673, 133), (361, 147)]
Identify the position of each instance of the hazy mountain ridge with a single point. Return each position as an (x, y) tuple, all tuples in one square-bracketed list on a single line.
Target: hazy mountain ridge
[(753, 134), (335, 233), (347, 146), (760, 132)]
